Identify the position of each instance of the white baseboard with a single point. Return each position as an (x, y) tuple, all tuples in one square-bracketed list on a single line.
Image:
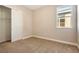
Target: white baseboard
[(27, 37), (46, 38), (64, 42), (13, 40), (21, 38)]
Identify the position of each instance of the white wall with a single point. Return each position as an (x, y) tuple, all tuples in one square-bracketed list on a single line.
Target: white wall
[(44, 24), (27, 23), (21, 22)]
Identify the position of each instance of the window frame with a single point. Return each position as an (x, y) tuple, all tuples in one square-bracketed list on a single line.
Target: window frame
[(58, 21)]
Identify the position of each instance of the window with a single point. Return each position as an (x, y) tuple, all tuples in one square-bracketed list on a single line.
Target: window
[(64, 14)]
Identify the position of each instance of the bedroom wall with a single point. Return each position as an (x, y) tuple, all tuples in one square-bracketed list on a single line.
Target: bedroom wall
[(44, 24), (21, 22), (41, 22)]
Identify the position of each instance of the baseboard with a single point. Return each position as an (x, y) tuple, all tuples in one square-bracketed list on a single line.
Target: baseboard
[(17, 39), (27, 37), (21, 38), (59, 41)]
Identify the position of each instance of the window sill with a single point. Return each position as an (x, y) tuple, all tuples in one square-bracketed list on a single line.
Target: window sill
[(64, 27)]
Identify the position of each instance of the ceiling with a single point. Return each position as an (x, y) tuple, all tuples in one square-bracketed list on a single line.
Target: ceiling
[(34, 7)]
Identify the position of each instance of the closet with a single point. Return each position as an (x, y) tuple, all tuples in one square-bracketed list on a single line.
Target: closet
[(5, 23)]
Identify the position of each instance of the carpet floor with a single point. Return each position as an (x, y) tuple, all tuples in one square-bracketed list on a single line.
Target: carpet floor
[(36, 45)]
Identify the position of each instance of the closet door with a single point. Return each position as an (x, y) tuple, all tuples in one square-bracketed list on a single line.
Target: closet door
[(2, 25), (7, 21), (5, 24)]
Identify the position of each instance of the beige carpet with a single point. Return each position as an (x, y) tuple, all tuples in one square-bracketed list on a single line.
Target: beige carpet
[(36, 45)]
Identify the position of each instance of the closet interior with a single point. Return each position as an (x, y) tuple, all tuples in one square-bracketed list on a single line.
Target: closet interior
[(5, 23)]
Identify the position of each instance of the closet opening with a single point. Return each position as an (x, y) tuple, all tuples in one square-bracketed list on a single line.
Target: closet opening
[(5, 24)]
